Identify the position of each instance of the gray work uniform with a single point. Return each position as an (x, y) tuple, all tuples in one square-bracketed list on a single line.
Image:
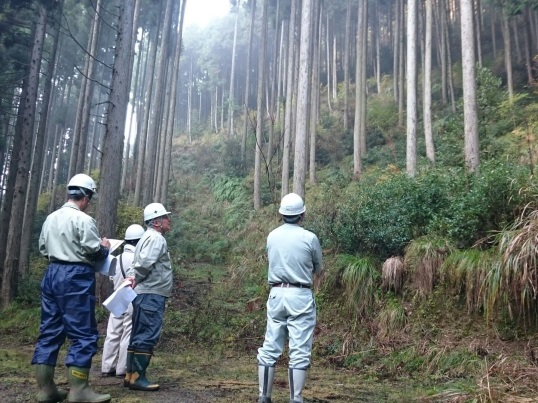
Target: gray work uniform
[(152, 270), (294, 256)]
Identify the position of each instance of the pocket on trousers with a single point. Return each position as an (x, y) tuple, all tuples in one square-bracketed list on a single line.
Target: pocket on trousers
[(149, 312)]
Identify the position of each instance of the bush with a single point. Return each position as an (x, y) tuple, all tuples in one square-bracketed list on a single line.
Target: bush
[(381, 216)]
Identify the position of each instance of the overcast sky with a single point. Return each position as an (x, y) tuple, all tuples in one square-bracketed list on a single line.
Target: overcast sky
[(201, 12)]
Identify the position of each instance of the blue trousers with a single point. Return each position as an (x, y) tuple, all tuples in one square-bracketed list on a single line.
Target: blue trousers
[(148, 313), (67, 310)]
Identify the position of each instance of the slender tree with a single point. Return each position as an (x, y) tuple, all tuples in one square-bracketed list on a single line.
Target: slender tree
[(305, 62), (260, 109), (411, 88), (11, 262), (472, 157)]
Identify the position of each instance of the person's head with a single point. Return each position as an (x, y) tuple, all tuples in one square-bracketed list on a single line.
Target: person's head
[(133, 234), (80, 189), (157, 217), (292, 208)]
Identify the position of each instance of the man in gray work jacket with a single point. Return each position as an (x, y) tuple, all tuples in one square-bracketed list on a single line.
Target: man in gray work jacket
[(71, 242), (152, 272), (294, 258)]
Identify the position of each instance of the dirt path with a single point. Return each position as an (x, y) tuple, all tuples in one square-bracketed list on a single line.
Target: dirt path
[(199, 377)]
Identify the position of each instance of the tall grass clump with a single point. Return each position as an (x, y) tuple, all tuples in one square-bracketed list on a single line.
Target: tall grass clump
[(392, 274), (517, 278), (423, 258), (464, 273), (391, 320), (360, 278)]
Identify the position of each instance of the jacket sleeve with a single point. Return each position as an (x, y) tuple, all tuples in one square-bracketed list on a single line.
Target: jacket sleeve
[(90, 242), (316, 255), (149, 254)]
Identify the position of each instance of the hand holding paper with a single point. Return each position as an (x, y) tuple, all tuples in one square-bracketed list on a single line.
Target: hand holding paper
[(119, 300)]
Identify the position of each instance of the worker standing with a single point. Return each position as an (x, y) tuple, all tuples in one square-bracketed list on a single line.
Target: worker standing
[(152, 272), (294, 256), (70, 240), (118, 333)]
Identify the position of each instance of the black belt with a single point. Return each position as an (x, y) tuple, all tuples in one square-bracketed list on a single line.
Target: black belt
[(288, 285)]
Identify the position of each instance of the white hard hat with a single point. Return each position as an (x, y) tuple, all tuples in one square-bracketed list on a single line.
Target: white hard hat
[(154, 210), (81, 181), (134, 232), (292, 204)]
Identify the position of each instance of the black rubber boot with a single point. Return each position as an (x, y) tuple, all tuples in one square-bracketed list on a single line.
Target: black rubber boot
[(127, 379)]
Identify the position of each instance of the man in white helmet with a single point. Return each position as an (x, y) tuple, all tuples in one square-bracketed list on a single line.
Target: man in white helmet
[(118, 332), (70, 241), (294, 258), (152, 272)]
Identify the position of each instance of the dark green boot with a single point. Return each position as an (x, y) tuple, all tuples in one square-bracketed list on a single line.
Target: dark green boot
[(138, 377), (129, 372), (80, 390), (48, 392)]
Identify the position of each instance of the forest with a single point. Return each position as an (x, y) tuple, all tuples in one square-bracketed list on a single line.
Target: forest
[(409, 127)]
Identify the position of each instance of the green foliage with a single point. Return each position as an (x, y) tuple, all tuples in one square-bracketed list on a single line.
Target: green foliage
[(128, 215), (381, 214), (235, 199)]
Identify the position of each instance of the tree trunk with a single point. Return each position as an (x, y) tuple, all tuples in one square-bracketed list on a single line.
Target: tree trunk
[(411, 125), (507, 56), (231, 100), (360, 96), (111, 161), (88, 96), (314, 112), (260, 110), (156, 120), (472, 159), (290, 103), (305, 60), (143, 130), (247, 86), (346, 64), (11, 262), (171, 115), (37, 164), (427, 87)]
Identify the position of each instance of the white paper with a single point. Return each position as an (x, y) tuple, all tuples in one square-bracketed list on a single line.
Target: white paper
[(119, 300), (115, 244), (106, 267)]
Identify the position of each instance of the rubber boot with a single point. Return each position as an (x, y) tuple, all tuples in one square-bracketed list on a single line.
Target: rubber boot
[(297, 379), (127, 379), (48, 392), (138, 377), (266, 375), (80, 390)]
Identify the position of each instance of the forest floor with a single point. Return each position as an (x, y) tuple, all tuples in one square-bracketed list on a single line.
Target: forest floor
[(189, 372)]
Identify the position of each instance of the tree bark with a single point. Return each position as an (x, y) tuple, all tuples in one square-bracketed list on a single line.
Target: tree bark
[(470, 118), (411, 88), (305, 61), (290, 103), (11, 262), (260, 109)]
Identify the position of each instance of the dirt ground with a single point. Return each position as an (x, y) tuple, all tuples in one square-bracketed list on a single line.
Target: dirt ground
[(192, 379)]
